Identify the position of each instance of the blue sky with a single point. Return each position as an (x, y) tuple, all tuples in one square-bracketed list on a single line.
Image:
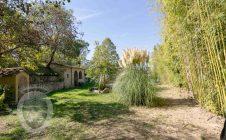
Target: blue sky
[(129, 23)]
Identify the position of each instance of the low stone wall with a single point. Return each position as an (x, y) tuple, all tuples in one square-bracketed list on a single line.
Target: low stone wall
[(44, 79), (47, 83), (49, 87)]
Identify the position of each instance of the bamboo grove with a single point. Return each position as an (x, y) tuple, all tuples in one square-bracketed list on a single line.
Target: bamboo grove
[(193, 52)]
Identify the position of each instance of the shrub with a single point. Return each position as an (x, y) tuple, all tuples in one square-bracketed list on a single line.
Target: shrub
[(2, 105), (134, 85), (2, 97), (9, 93)]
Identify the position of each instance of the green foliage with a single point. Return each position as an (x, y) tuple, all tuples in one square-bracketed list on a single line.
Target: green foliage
[(17, 37), (193, 51), (24, 6), (166, 66), (74, 59), (31, 33), (2, 98), (42, 70), (58, 30), (104, 64), (2, 105), (134, 87), (8, 96)]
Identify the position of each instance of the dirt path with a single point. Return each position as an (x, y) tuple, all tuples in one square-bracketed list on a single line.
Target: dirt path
[(182, 118)]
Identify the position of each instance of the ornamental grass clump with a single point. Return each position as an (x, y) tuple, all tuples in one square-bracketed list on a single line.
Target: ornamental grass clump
[(134, 85)]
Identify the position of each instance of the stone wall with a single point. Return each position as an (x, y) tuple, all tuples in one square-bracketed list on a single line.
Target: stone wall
[(49, 87), (49, 83), (68, 77), (34, 79)]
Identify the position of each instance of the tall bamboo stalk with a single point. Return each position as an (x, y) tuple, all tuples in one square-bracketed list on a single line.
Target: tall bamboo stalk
[(195, 35)]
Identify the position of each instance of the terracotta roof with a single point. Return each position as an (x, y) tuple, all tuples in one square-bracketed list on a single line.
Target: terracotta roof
[(10, 71)]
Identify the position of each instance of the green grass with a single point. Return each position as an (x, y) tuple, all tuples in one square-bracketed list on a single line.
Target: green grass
[(74, 111), (84, 107)]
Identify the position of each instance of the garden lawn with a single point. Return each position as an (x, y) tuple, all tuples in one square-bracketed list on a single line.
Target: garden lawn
[(74, 111)]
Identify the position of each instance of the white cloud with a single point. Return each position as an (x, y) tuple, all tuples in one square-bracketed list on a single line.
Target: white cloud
[(85, 14), (89, 16)]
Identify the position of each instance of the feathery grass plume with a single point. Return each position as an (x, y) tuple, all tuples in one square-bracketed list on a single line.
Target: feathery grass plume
[(134, 86), (134, 56)]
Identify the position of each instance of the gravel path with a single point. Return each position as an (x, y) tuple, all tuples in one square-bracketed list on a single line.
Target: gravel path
[(182, 118)]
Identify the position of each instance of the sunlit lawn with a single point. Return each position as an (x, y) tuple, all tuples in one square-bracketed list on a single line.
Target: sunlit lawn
[(74, 112)]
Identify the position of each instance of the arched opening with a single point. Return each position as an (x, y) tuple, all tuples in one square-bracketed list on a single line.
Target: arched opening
[(80, 75), (76, 78)]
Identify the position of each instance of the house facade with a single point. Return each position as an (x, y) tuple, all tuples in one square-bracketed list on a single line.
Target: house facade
[(18, 78), (72, 76)]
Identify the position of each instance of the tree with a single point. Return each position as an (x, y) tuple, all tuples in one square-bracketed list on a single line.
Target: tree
[(80, 60), (104, 64), (19, 41), (15, 29), (17, 37), (58, 30)]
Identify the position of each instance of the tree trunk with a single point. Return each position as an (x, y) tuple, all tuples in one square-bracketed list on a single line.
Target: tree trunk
[(8, 51), (51, 58)]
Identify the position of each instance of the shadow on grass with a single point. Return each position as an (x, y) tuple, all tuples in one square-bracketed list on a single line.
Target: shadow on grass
[(88, 111)]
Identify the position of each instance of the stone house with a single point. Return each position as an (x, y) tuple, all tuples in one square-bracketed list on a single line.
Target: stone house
[(16, 79), (62, 76), (73, 76)]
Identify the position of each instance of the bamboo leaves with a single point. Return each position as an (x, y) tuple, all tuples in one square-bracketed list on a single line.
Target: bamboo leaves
[(195, 30)]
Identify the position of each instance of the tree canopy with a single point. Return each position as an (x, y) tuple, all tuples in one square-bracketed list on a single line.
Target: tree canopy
[(104, 64), (58, 30), (31, 33)]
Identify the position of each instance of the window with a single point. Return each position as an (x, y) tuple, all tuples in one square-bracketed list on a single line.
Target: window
[(80, 75), (67, 75)]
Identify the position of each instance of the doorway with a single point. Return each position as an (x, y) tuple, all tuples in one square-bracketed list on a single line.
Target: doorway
[(76, 78)]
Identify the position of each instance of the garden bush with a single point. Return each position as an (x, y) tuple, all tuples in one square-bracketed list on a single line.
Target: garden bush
[(134, 85), (2, 97)]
